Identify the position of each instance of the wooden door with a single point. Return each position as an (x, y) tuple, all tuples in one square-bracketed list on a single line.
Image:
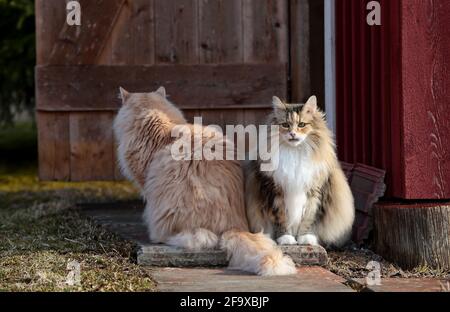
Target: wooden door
[(219, 59)]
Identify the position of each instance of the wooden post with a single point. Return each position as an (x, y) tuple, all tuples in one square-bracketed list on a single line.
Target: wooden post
[(300, 64), (414, 234), (307, 50), (392, 97)]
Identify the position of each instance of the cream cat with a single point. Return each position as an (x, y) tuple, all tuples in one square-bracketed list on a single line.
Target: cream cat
[(306, 199), (189, 203)]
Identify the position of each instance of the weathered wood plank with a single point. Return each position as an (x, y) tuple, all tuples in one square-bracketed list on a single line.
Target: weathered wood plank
[(220, 31), (221, 117), (54, 146), (307, 50), (132, 38), (265, 31), (189, 114), (48, 29), (224, 117), (143, 23), (78, 44), (256, 116), (176, 35), (248, 116), (300, 51), (317, 42), (91, 146), (122, 44), (84, 88)]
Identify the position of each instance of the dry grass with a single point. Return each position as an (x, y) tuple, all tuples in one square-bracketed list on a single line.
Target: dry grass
[(41, 232), (351, 263)]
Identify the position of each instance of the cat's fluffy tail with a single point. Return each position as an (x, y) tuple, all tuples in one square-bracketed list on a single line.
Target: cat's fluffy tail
[(254, 253), (339, 211)]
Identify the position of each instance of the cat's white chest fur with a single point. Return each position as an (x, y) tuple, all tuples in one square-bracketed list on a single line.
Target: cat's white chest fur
[(295, 174)]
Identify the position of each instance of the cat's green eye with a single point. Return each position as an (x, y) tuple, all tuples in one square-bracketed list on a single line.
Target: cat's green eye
[(302, 125), (285, 125)]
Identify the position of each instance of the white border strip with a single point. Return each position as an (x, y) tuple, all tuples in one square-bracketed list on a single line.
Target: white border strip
[(330, 63)]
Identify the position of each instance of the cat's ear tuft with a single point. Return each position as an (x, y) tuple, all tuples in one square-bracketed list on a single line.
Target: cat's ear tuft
[(311, 105), (277, 103), (124, 94), (161, 91)]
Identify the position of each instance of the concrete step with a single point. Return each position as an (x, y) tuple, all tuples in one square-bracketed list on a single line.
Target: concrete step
[(168, 256), (125, 220)]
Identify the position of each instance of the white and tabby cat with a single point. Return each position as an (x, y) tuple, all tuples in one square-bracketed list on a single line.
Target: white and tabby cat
[(306, 199)]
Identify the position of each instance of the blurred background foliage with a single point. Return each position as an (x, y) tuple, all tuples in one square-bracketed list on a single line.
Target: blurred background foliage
[(17, 59)]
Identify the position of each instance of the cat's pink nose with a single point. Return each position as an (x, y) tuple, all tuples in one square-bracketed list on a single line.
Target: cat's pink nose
[(292, 134)]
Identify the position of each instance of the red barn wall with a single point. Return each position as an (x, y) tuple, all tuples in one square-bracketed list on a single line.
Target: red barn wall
[(426, 97), (393, 91)]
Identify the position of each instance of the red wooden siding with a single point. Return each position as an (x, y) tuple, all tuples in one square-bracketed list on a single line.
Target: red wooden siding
[(426, 98), (392, 93)]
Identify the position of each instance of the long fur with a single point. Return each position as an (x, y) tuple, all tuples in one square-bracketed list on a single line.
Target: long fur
[(307, 199), (256, 253), (193, 204)]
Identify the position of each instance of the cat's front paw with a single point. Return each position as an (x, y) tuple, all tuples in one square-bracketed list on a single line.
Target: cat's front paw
[(286, 240), (308, 239)]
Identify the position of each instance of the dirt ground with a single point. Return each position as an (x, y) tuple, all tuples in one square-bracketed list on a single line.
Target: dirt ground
[(352, 262)]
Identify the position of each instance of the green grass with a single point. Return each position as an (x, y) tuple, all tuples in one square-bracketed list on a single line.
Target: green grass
[(41, 231)]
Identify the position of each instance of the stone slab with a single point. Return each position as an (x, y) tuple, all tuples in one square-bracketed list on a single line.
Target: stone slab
[(408, 285), (307, 279), (125, 220), (163, 255)]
